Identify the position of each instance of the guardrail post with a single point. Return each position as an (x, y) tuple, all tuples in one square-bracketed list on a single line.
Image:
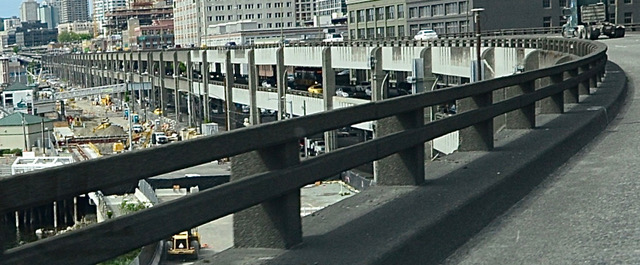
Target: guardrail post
[(275, 223), (554, 103), (571, 95), (525, 117), (478, 137), (405, 167)]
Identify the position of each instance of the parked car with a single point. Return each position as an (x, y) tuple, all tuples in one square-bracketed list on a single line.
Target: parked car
[(316, 88), (230, 44), (350, 92), (426, 34), (334, 37), (364, 86)]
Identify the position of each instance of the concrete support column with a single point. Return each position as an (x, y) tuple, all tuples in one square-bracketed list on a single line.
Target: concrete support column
[(593, 81), (254, 113), (204, 70), (328, 92), (571, 95), (379, 80), (151, 75), (176, 84), (478, 137), (424, 84), (525, 117), (228, 92), (282, 83), (162, 72), (554, 103), (190, 108), (129, 78), (275, 223)]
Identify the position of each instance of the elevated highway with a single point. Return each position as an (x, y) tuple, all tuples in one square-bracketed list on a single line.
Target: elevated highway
[(514, 131)]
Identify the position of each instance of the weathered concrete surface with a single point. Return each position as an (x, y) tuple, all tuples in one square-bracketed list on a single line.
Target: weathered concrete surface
[(464, 192), (585, 213)]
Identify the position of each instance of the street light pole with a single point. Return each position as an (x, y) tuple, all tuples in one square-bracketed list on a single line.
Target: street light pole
[(476, 12)]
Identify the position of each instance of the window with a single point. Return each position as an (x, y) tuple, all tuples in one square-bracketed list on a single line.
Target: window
[(413, 12), (370, 33), (352, 34), (628, 18), (259, 6), (464, 26), (361, 34), (462, 8), (269, 25), (401, 31), (352, 17), (229, 7), (627, 1), (268, 5), (259, 16), (413, 29), (546, 3), (437, 10), (391, 12), (268, 15), (562, 3), (452, 27), (370, 14), (451, 8), (439, 27), (400, 11), (424, 11), (380, 13), (360, 15), (230, 17), (546, 22), (391, 32)]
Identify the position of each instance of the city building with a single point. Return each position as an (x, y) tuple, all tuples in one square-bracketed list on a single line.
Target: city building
[(21, 130), (31, 34), (74, 10), (268, 14), (369, 19), (101, 7), (29, 11), (374, 19), (142, 14), (4, 70), (247, 32), (11, 23), (187, 20), (157, 35), (49, 14), (84, 27), (305, 10)]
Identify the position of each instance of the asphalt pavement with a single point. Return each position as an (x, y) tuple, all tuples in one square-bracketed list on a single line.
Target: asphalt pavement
[(588, 211)]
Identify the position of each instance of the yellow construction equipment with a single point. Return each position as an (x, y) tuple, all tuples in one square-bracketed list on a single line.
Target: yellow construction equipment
[(118, 147), (104, 124), (106, 100), (184, 243)]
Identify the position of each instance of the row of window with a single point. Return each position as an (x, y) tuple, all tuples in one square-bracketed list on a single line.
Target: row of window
[(379, 32), (378, 13), (563, 3), (248, 6), (454, 8), (247, 16)]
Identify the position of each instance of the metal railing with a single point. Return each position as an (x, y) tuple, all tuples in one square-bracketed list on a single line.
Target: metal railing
[(119, 235)]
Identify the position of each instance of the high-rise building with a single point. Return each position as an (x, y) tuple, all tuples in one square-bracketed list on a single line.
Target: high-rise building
[(11, 23), (29, 11), (49, 14), (102, 7), (187, 22), (74, 10)]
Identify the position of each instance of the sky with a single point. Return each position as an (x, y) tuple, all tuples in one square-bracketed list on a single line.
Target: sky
[(9, 8)]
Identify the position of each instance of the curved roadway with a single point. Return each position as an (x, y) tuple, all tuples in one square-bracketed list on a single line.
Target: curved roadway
[(588, 211)]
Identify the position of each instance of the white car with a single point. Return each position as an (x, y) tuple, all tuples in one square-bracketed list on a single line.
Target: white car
[(426, 34), (335, 37)]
